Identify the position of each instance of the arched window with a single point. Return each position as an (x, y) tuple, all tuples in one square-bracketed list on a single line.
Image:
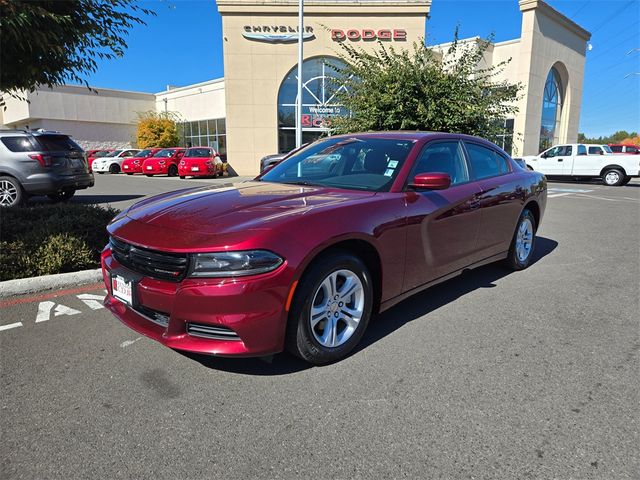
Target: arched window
[(320, 84), (551, 110)]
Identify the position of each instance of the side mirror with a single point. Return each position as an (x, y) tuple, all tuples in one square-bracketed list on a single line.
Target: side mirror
[(431, 181), (601, 152)]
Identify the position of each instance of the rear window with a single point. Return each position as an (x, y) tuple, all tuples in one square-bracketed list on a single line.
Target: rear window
[(58, 143), (198, 152), (20, 144), (631, 149)]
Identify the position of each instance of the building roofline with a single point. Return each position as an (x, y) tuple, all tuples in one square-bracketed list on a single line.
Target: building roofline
[(82, 89), (187, 87), (552, 13)]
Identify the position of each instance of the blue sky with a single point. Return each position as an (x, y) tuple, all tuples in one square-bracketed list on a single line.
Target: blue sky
[(183, 45)]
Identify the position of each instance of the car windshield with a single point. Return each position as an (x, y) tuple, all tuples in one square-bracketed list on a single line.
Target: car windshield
[(358, 163), (166, 153), (607, 149), (143, 153), (115, 153), (198, 153)]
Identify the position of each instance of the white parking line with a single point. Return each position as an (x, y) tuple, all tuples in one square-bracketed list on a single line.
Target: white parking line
[(10, 326), (554, 195)]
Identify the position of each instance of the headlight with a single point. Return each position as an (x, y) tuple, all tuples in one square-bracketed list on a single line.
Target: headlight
[(234, 264)]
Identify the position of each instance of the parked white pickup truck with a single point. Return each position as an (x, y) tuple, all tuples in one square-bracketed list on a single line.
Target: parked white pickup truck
[(586, 161)]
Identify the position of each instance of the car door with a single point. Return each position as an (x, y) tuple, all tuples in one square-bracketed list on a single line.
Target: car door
[(553, 161), (442, 225), (501, 198)]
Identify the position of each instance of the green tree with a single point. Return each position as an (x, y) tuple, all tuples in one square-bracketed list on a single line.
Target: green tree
[(52, 42), (422, 89), (157, 129), (616, 137)]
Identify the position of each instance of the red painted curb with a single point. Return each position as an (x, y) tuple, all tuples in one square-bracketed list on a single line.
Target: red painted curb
[(46, 296)]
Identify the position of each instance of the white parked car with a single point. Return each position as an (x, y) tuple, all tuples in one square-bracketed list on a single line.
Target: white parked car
[(112, 162), (585, 161)]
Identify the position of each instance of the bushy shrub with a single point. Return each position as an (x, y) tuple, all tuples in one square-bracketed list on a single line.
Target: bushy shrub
[(47, 239)]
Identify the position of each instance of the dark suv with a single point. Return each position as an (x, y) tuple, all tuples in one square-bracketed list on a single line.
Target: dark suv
[(40, 163)]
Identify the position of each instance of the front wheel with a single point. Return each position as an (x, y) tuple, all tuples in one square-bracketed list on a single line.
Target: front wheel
[(114, 168), (331, 309), (173, 171), (523, 242), (11, 193), (62, 196), (613, 178)]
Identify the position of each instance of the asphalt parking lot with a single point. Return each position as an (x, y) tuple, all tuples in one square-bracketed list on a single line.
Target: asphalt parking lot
[(491, 375)]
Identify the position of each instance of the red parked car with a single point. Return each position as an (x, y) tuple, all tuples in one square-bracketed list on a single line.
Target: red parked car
[(305, 254), (131, 165), (164, 162), (93, 154), (201, 162), (624, 148)]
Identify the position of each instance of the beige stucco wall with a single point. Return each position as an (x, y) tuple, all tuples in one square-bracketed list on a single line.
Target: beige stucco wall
[(254, 70), (95, 120), (202, 101), (548, 39)]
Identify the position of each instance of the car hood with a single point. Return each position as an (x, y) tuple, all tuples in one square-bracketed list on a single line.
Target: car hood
[(236, 208)]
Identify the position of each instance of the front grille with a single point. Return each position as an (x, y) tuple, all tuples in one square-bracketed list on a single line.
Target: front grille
[(211, 331), (161, 265)]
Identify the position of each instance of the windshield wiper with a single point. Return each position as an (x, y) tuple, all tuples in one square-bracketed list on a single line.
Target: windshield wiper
[(303, 182)]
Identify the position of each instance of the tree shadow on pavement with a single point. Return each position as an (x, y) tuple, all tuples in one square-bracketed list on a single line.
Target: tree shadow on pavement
[(386, 323)]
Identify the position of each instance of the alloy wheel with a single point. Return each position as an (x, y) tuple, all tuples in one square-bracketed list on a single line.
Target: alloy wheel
[(8, 193), (524, 239), (337, 308)]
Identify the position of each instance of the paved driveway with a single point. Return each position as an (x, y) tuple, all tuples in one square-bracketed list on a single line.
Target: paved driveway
[(491, 375)]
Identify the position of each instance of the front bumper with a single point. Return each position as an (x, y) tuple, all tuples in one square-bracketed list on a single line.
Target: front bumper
[(251, 307), (131, 168), (47, 183), (101, 167), (155, 169), (203, 171)]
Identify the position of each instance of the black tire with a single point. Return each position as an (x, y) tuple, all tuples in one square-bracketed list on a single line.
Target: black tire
[(129, 173), (114, 168), (11, 192), (100, 173), (62, 196), (173, 171), (613, 177), (515, 260), (301, 340), (182, 177), (148, 174), (625, 181)]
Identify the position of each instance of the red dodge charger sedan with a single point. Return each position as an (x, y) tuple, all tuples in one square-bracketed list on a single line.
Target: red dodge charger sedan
[(304, 255)]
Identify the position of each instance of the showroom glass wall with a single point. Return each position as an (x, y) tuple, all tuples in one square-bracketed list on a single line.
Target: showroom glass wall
[(204, 133), (551, 110), (321, 83)]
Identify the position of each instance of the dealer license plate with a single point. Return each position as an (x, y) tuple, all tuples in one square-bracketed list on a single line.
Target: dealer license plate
[(195, 169), (126, 166), (149, 167), (121, 288)]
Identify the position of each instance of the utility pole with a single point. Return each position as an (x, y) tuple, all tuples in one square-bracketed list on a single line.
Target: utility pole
[(299, 98)]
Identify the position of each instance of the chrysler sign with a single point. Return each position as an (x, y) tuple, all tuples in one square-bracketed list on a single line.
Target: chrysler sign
[(276, 33)]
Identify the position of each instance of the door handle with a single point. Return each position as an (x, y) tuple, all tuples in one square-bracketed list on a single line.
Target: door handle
[(560, 159)]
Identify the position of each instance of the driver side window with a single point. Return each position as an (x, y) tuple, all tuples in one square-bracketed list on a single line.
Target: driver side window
[(442, 157)]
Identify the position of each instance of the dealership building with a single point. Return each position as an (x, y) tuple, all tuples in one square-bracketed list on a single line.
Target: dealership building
[(251, 112)]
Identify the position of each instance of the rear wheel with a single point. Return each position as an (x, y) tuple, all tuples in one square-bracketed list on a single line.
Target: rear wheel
[(182, 177), (613, 177), (11, 193), (331, 309), (523, 242), (114, 168), (62, 196), (173, 171), (148, 174), (129, 173)]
